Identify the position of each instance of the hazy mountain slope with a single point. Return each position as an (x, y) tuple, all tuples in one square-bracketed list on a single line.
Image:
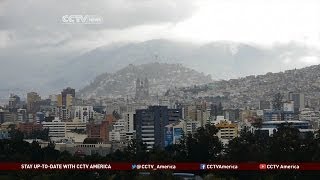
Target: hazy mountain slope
[(222, 59), (85, 68), (48, 73), (247, 91), (161, 76)]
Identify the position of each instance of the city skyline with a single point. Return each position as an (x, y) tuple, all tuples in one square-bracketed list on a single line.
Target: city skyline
[(159, 89)]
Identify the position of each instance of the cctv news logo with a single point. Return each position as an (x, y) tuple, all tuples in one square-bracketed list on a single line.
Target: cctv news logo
[(81, 19)]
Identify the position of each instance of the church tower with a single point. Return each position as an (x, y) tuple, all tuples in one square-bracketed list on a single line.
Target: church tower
[(142, 89)]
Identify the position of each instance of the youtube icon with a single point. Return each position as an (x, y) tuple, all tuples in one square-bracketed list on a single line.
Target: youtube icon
[(262, 166)]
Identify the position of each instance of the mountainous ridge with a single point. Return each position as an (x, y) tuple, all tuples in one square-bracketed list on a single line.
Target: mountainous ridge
[(220, 59), (250, 90), (161, 76)]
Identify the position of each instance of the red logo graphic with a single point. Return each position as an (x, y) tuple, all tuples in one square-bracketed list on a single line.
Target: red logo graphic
[(262, 166)]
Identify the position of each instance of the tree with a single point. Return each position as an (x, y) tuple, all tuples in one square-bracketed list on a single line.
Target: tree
[(39, 134), (15, 134), (203, 146), (285, 145), (50, 153), (159, 155), (247, 147), (36, 152), (136, 151), (316, 147), (178, 151), (257, 123), (92, 140)]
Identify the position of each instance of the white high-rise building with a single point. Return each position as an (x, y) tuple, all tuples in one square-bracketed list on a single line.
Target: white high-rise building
[(190, 126), (129, 125), (63, 113), (84, 113), (118, 133), (129, 120)]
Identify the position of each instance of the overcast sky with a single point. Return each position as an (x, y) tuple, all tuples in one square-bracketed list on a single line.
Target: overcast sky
[(33, 26), (33, 29)]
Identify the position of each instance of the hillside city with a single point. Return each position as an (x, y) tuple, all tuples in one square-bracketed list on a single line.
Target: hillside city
[(159, 90), (101, 125)]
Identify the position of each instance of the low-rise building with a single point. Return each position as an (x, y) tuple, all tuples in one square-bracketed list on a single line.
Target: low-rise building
[(190, 127), (173, 133), (58, 128), (99, 130), (310, 115), (29, 127), (77, 138), (84, 113), (278, 115), (269, 127), (118, 133), (79, 149), (227, 130)]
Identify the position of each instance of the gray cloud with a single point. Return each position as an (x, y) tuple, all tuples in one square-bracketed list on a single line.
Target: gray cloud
[(33, 38), (117, 14), (33, 25)]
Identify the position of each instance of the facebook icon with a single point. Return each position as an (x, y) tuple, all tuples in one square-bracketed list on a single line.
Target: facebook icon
[(202, 166)]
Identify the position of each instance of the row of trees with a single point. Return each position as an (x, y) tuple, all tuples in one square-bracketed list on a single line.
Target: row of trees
[(36, 134), (286, 145)]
